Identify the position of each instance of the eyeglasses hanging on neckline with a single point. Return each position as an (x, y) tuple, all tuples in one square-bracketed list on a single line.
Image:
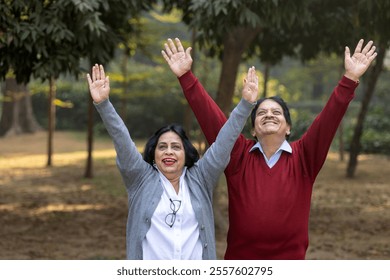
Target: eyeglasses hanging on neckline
[(171, 217)]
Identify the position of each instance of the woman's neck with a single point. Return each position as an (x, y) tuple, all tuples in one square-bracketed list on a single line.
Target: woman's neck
[(175, 183)]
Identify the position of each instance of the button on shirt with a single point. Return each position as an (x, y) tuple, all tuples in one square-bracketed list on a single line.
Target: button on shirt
[(275, 157), (181, 241)]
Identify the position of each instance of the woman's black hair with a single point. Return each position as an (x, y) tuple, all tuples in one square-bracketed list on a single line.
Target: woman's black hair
[(191, 154), (280, 101)]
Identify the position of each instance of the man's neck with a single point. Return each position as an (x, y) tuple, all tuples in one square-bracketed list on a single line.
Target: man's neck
[(270, 145)]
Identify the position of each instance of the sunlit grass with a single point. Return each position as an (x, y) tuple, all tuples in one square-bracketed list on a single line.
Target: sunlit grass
[(59, 159)]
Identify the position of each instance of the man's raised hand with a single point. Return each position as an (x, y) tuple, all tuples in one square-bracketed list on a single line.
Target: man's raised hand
[(178, 59), (357, 64)]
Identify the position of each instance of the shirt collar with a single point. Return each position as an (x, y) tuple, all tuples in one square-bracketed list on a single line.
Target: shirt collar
[(284, 147)]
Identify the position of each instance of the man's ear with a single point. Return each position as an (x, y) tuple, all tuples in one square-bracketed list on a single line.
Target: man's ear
[(288, 132)]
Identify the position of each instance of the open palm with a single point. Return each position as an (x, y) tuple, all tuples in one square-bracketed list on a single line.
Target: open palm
[(178, 59), (251, 86), (99, 84), (357, 64)]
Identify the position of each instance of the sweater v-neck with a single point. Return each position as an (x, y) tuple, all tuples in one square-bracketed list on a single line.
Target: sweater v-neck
[(271, 171)]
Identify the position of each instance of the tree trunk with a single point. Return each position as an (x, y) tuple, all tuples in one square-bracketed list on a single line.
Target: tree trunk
[(51, 120), (188, 114), (235, 43), (17, 115), (90, 124), (372, 78), (318, 86), (89, 166), (125, 85), (267, 68), (340, 132)]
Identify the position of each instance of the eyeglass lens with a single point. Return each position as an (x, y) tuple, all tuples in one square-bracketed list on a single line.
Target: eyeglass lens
[(171, 217)]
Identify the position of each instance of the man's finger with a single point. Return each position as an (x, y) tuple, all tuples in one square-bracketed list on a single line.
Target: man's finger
[(188, 51), (371, 51), (372, 57), (367, 47), (172, 46), (179, 45), (359, 46), (165, 56), (167, 50)]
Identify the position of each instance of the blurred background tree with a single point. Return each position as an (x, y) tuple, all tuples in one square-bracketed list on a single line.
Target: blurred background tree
[(43, 39)]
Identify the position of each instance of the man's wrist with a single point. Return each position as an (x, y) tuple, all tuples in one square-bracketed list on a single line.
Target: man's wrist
[(352, 77)]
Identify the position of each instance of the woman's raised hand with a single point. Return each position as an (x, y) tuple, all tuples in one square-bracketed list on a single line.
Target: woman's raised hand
[(99, 84)]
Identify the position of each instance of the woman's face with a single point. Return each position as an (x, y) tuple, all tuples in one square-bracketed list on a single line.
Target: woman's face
[(169, 155)]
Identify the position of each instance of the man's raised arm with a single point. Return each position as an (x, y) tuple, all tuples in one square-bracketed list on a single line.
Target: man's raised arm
[(210, 117)]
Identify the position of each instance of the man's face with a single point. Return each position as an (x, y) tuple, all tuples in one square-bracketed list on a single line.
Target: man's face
[(270, 121)]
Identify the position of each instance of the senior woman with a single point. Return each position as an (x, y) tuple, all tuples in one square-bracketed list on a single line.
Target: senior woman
[(170, 214)]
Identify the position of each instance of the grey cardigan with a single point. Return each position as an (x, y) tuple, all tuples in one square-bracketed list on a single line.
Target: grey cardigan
[(143, 184)]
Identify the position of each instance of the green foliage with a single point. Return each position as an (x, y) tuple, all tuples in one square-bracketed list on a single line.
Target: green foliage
[(154, 100), (213, 20), (301, 120), (68, 90), (374, 142), (376, 135), (52, 36)]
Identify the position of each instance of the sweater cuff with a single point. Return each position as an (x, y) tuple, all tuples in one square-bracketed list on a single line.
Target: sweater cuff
[(348, 83), (187, 79), (245, 105), (103, 106)]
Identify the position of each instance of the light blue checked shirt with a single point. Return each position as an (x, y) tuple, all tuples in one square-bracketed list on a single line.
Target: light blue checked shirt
[(275, 157)]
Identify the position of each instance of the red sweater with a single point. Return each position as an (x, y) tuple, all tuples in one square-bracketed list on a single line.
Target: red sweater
[(269, 207)]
